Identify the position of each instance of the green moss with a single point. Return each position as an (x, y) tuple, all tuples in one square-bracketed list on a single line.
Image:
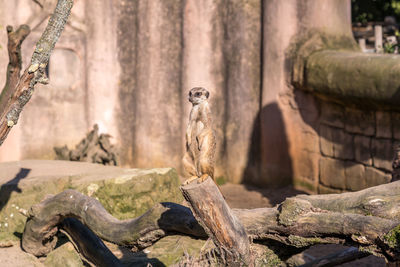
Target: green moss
[(65, 255), (269, 259), (133, 197), (290, 209), (392, 239), (302, 184), (170, 250), (220, 180), (302, 242)]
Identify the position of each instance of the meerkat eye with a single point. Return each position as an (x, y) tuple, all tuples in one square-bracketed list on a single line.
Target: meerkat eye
[(197, 94)]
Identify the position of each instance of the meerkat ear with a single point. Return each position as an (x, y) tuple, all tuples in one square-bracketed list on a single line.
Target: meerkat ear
[(207, 94)]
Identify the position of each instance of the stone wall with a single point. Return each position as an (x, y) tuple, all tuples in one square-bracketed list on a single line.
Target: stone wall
[(356, 147)]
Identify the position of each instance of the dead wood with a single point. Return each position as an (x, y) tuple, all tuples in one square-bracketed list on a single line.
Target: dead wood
[(93, 148), (15, 39), (15, 97), (337, 258), (44, 218), (89, 246), (367, 219), (214, 215)]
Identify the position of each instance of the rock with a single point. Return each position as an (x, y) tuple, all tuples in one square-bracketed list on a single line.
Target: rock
[(360, 121), (382, 150), (383, 124), (332, 173), (332, 114), (362, 146), (336, 143), (64, 255), (14, 257), (125, 193)]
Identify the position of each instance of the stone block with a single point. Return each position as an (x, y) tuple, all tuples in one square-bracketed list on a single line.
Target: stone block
[(382, 153), (375, 177), (383, 124), (327, 190), (355, 176), (332, 114), (360, 121), (336, 143), (362, 149), (396, 125), (343, 147), (332, 173), (326, 143), (306, 165)]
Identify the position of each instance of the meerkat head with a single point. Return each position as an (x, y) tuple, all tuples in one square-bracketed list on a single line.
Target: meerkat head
[(198, 95)]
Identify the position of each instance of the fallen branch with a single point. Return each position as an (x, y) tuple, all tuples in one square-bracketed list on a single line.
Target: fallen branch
[(367, 219), (18, 95)]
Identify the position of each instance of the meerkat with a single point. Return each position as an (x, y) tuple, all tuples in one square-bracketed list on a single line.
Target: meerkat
[(198, 160)]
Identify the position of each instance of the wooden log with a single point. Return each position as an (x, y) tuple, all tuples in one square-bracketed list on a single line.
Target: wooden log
[(214, 215), (89, 245), (368, 219), (44, 219), (337, 258)]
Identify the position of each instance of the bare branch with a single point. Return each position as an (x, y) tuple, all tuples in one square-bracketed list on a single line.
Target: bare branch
[(23, 91)]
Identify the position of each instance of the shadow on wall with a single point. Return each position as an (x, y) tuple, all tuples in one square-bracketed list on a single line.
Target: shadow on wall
[(12, 186), (269, 163)]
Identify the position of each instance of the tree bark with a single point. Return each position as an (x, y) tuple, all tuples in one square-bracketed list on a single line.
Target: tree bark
[(368, 219), (215, 216), (89, 245), (15, 39), (18, 95)]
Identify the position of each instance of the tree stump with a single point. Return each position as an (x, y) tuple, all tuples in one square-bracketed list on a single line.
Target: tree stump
[(222, 226)]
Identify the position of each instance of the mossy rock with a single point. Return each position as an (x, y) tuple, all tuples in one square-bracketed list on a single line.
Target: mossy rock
[(125, 193), (65, 256)]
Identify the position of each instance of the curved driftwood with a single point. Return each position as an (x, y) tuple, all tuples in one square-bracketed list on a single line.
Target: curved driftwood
[(367, 219), (163, 218)]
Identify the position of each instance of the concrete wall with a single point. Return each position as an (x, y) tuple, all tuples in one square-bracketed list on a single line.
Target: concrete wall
[(128, 65)]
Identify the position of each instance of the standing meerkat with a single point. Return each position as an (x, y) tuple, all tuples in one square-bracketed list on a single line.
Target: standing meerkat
[(198, 160)]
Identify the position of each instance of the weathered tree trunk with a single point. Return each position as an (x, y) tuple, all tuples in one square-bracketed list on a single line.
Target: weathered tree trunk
[(368, 219), (215, 216), (20, 89)]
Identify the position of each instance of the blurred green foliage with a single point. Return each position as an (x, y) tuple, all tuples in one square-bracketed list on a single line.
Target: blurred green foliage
[(374, 10)]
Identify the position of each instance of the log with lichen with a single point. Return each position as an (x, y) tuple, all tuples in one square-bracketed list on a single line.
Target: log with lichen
[(368, 219)]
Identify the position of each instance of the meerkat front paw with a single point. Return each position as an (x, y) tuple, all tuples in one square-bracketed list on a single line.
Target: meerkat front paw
[(202, 178), (191, 179)]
